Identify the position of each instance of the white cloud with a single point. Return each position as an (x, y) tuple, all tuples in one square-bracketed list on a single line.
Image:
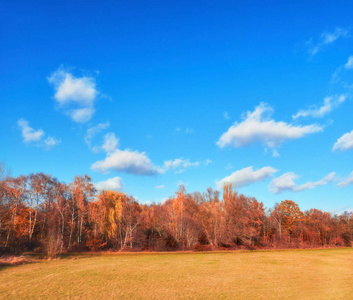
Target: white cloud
[(81, 115), (111, 142), (246, 176), (330, 37), (51, 142), (128, 161), (112, 184), (31, 135), (179, 164), (340, 74), (28, 133), (347, 181), (159, 187), (345, 142), (349, 64), (286, 182), (257, 126), (325, 39), (70, 89), (93, 131), (317, 112), (75, 94)]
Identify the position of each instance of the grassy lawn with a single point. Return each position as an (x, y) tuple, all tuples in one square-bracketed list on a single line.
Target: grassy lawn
[(293, 274)]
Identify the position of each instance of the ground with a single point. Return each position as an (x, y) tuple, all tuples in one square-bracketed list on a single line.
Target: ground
[(290, 274)]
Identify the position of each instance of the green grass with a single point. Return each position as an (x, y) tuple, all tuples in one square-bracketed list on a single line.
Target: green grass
[(290, 274)]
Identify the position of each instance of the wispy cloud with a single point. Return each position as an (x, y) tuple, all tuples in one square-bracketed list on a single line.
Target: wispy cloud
[(31, 135), (349, 64), (159, 187), (246, 177), (345, 142), (93, 131), (346, 181), (187, 130), (286, 182), (340, 74), (258, 127), (76, 95), (112, 184), (179, 165), (226, 115), (81, 115), (207, 162), (326, 38), (111, 142), (50, 142), (329, 104)]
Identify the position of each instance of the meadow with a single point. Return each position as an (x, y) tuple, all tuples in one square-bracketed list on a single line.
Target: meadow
[(290, 274)]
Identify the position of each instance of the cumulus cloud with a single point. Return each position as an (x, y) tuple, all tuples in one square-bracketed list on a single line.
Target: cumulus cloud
[(179, 165), (28, 133), (329, 104), (349, 64), (246, 176), (347, 181), (286, 182), (76, 95), (257, 126), (345, 142), (132, 162), (112, 184), (31, 135), (326, 38)]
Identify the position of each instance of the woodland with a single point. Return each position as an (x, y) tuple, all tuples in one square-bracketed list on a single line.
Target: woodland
[(40, 214)]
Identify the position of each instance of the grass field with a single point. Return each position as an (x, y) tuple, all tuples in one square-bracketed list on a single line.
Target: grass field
[(293, 274)]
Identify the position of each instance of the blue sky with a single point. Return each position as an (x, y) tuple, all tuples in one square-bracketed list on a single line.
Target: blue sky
[(143, 96)]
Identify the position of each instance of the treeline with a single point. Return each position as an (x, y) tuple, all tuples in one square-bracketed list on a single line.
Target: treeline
[(39, 213)]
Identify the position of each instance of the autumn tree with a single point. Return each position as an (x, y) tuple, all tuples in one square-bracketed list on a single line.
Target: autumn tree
[(38, 212), (290, 216)]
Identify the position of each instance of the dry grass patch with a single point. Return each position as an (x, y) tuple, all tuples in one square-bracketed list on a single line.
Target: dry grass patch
[(291, 274)]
